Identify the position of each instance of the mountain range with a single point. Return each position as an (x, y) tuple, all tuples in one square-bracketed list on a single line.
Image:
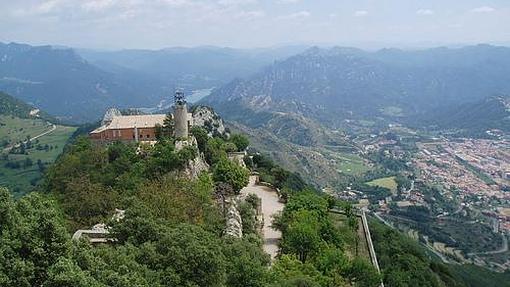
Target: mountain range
[(79, 85), (61, 82), (303, 111), (192, 68), (331, 85)]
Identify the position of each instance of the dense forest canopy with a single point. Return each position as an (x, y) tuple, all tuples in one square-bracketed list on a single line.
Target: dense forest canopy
[(173, 231)]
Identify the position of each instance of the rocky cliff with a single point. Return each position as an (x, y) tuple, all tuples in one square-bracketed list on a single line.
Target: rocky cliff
[(207, 118)]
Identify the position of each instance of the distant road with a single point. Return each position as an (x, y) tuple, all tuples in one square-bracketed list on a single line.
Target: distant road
[(53, 128), (503, 249), (437, 253)]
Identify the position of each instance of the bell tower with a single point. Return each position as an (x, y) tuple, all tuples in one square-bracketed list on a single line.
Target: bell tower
[(180, 115)]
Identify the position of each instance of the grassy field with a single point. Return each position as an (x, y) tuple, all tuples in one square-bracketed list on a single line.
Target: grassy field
[(340, 222), (386, 182), (21, 180), (350, 164), (14, 129)]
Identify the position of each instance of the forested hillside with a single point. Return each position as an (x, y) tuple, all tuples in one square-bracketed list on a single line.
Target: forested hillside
[(405, 262), (174, 229), (15, 107), (62, 83), (173, 232), (472, 119)]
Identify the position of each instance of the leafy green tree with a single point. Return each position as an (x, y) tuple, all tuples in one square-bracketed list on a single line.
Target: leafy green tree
[(240, 141), (331, 261), (229, 147), (178, 200), (289, 271), (88, 203), (66, 273), (230, 172), (309, 201), (32, 238), (248, 218), (303, 234), (364, 274), (164, 159), (214, 150), (189, 256), (202, 137), (168, 126), (246, 262)]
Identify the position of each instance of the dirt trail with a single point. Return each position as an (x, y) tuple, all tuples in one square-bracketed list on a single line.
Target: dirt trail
[(270, 206)]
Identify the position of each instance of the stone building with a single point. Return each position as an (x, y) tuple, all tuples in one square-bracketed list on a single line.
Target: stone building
[(142, 128)]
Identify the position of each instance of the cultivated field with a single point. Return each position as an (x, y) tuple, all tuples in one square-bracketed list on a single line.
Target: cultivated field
[(21, 180), (13, 129), (386, 182)]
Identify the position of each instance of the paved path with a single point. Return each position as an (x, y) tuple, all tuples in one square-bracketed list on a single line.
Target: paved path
[(53, 128), (270, 206)]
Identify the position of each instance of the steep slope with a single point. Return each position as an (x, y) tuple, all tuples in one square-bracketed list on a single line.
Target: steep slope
[(62, 83), (15, 107)]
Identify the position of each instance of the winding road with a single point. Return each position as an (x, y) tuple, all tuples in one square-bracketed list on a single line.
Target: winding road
[(503, 249), (270, 206), (53, 128), (430, 248)]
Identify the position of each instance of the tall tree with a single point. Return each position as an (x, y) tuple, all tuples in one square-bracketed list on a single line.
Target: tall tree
[(230, 172)]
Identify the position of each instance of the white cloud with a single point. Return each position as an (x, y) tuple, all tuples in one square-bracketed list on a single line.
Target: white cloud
[(97, 5), (250, 15), (425, 12), (361, 13), (483, 9), (297, 15), (236, 2), (46, 7)]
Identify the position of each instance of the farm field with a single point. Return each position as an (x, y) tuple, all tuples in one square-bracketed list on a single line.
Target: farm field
[(14, 129), (350, 164), (21, 179), (386, 182)]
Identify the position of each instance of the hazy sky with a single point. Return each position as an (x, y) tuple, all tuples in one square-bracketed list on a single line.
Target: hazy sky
[(254, 23)]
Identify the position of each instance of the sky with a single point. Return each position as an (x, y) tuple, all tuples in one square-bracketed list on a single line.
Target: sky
[(155, 24)]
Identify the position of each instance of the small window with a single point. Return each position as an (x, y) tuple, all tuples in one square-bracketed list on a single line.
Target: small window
[(147, 136)]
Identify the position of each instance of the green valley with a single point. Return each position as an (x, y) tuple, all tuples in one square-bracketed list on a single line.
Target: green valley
[(29, 144), (21, 172), (386, 182)]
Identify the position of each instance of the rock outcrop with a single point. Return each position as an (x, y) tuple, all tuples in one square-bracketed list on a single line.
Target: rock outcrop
[(208, 119), (233, 217), (195, 166)]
